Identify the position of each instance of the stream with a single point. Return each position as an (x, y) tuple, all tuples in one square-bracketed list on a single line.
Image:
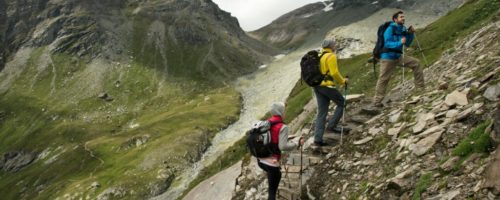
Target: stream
[(272, 82)]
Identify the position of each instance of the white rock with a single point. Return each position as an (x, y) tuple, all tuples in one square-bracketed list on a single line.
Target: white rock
[(478, 186), (363, 141), (419, 127), (431, 130), (375, 131), (425, 144), (492, 93), (370, 161), (395, 117), (452, 113), (345, 186), (456, 97), (354, 97)]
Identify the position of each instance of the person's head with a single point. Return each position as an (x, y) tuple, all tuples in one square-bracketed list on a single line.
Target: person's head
[(399, 17), (278, 108), (328, 43)]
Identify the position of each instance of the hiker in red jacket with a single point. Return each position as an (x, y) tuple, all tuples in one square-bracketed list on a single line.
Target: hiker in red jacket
[(279, 135)]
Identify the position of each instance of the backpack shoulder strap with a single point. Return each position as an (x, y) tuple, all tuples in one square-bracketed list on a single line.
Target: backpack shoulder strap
[(326, 63), (275, 122)]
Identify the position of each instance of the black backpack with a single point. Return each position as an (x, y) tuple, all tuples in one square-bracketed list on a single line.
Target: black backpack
[(310, 68), (259, 139), (379, 46)]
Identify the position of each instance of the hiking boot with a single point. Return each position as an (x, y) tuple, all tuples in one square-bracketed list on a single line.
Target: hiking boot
[(320, 144)]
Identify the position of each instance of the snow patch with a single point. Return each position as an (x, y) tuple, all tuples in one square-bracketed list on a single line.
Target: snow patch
[(328, 7), (280, 56), (132, 126), (54, 158), (306, 16), (262, 66), (375, 2)]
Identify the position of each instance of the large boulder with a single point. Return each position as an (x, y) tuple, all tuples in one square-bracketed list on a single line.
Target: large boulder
[(15, 160)]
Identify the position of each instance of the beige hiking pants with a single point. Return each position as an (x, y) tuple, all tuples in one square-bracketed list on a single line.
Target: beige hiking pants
[(388, 66)]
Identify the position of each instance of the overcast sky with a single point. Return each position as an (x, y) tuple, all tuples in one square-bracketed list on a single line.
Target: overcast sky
[(253, 14)]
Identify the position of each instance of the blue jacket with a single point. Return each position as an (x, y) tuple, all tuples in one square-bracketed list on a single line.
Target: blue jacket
[(392, 40)]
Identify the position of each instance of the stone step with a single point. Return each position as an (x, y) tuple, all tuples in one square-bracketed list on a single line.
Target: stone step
[(288, 194), (289, 183), (290, 175), (294, 160), (291, 168)]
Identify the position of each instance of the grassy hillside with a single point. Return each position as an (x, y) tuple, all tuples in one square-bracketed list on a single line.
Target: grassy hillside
[(137, 141), (436, 38)]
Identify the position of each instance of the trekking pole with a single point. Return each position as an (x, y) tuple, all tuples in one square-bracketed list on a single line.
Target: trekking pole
[(403, 60), (343, 113), (300, 172), (421, 51)]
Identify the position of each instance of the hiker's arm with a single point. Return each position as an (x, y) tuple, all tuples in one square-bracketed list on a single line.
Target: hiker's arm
[(409, 39), (283, 143), (334, 70), (389, 41)]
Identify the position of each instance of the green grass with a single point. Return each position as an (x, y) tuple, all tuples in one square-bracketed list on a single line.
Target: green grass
[(59, 111), (298, 98), (422, 184), (477, 141), (442, 34)]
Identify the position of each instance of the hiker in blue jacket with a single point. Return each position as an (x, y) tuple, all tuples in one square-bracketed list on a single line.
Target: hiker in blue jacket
[(395, 36)]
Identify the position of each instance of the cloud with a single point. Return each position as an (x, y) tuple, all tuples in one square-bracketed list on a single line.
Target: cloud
[(254, 14)]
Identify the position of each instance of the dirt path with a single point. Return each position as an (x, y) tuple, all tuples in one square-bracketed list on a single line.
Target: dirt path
[(218, 186)]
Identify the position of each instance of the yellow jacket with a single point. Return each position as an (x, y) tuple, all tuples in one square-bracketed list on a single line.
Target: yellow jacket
[(329, 61)]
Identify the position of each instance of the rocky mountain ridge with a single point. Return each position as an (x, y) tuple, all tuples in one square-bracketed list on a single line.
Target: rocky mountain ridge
[(312, 22), (120, 30)]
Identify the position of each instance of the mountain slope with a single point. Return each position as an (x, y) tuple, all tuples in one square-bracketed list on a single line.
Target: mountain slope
[(313, 22), (112, 99), (159, 34), (388, 156)]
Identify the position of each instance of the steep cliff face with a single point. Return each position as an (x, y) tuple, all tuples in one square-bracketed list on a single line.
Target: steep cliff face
[(168, 35)]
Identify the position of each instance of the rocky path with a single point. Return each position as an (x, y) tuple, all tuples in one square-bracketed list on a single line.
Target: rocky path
[(299, 163)]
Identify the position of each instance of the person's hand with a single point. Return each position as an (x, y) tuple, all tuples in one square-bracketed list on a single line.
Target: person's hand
[(346, 80), (301, 142), (403, 40), (411, 29)]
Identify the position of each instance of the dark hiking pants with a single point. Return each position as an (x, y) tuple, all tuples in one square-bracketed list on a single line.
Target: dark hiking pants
[(323, 96), (273, 179)]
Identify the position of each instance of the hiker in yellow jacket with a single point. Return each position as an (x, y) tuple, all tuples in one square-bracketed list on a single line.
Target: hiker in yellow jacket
[(327, 92)]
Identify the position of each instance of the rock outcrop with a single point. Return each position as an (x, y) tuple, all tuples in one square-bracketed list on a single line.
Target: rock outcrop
[(15, 160), (119, 30)]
